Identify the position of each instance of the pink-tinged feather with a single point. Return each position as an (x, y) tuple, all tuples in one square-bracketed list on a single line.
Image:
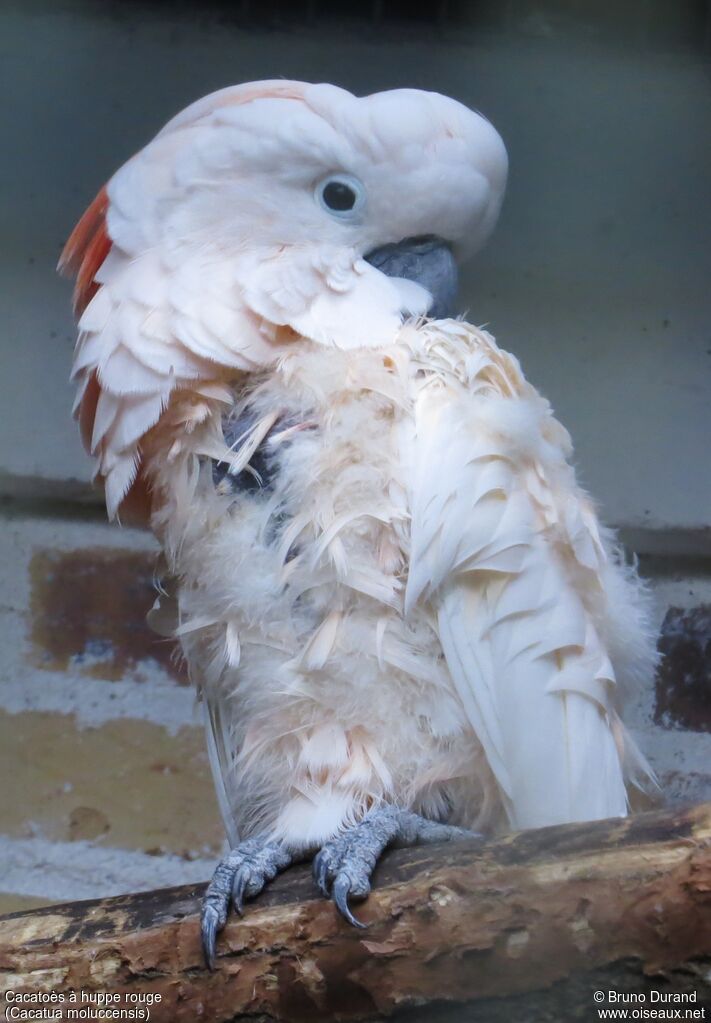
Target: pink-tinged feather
[(86, 249)]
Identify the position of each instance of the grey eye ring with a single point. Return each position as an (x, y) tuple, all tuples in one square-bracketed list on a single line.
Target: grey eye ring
[(341, 196)]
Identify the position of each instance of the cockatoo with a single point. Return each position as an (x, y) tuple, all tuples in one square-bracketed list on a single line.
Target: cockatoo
[(400, 610)]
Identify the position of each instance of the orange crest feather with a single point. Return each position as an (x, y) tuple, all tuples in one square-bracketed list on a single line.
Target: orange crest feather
[(86, 249)]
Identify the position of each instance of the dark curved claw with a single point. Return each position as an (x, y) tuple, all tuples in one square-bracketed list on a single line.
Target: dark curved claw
[(340, 893), (238, 886), (243, 872), (320, 870), (346, 862), (209, 926)]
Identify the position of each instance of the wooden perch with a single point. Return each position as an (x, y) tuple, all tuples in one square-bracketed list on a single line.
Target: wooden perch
[(539, 919)]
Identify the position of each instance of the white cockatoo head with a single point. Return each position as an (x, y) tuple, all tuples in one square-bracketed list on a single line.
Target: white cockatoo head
[(295, 186), (262, 213)]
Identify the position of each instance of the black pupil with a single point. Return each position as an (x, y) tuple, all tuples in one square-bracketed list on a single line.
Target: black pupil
[(339, 196)]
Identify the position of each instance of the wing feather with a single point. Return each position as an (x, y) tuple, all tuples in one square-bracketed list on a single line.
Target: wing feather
[(506, 550)]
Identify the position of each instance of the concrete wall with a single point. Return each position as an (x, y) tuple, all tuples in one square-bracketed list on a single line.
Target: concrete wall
[(597, 279)]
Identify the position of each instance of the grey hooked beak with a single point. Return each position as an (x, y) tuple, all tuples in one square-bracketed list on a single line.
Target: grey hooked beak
[(426, 260)]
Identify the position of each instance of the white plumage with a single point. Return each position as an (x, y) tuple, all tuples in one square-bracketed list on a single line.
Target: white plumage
[(425, 508), (418, 607)]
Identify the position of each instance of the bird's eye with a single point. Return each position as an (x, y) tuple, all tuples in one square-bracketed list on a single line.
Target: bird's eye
[(341, 195)]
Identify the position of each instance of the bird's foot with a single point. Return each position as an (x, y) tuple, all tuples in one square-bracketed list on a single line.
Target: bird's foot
[(343, 867), (240, 875)]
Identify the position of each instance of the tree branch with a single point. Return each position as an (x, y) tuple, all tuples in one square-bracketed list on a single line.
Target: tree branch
[(549, 914)]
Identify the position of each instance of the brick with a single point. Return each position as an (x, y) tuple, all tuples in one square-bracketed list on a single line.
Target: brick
[(11, 903), (127, 784), (88, 610), (682, 686)]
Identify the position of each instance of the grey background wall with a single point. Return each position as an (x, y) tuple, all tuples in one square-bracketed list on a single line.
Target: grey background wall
[(597, 278)]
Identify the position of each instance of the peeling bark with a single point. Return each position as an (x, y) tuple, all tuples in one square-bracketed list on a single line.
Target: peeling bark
[(524, 927)]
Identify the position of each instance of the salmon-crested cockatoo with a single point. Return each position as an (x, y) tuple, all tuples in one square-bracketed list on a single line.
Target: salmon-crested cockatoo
[(399, 608)]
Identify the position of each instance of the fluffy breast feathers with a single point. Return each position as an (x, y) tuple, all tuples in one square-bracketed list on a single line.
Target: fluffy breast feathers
[(424, 506)]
